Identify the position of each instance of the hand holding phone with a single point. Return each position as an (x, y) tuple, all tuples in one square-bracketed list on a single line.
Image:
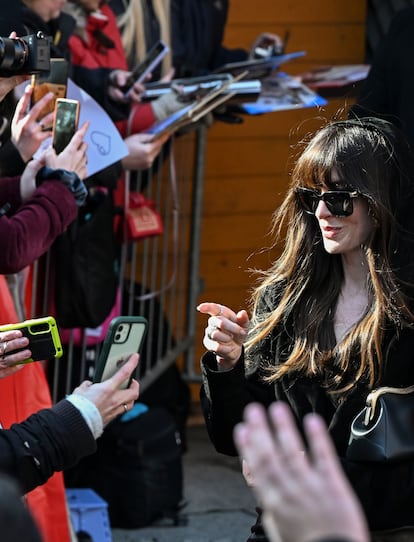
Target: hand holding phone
[(109, 399), (15, 352), (53, 81), (144, 68), (43, 335), (125, 336), (65, 123)]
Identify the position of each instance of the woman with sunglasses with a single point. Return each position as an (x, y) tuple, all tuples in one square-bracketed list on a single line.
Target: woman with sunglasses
[(332, 318)]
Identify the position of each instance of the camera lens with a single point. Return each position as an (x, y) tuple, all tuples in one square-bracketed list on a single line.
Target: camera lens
[(13, 53)]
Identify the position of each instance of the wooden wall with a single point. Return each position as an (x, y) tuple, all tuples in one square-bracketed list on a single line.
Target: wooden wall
[(247, 165)]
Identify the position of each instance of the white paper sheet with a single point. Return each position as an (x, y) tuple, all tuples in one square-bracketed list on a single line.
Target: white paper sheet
[(105, 144)]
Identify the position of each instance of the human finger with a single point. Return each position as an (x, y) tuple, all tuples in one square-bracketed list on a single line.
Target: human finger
[(23, 104), (46, 123), (116, 94), (222, 329), (12, 340), (289, 441), (119, 78), (73, 156), (79, 135), (136, 91), (271, 527), (77, 141), (256, 443), (216, 309), (83, 386), (11, 334), (159, 141), (321, 449), (14, 348), (34, 166), (121, 402), (260, 437), (128, 396), (153, 149), (38, 107), (125, 371)]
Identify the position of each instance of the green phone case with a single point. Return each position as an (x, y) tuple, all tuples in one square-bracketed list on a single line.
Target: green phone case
[(43, 335), (125, 336)]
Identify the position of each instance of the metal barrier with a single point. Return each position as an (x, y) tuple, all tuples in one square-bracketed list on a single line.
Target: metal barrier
[(158, 275)]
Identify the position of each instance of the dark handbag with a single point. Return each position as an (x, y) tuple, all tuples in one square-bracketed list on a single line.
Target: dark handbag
[(384, 429)]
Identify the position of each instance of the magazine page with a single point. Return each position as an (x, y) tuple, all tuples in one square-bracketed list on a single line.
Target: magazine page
[(281, 92)]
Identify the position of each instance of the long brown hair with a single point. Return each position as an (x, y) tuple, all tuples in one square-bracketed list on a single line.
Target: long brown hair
[(369, 156)]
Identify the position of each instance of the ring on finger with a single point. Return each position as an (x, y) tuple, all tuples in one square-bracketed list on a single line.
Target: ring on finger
[(125, 407), (220, 312), (3, 347)]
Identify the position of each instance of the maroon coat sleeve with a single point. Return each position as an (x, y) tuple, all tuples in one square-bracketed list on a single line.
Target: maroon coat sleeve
[(29, 229)]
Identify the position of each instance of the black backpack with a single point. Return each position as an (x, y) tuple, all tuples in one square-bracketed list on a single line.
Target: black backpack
[(137, 470)]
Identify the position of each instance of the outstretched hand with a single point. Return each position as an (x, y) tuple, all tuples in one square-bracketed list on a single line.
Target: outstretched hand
[(305, 496), (28, 129), (225, 333)]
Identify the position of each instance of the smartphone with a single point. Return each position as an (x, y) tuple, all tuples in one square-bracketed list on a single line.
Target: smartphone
[(53, 81), (125, 336), (43, 335), (65, 123), (151, 61)]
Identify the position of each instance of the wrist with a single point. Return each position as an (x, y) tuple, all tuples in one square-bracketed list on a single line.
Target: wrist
[(69, 178), (47, 173), (27, 187), (224, 365), (89, 412)]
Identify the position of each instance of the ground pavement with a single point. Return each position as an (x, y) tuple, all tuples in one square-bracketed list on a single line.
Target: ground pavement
[(220, 506)]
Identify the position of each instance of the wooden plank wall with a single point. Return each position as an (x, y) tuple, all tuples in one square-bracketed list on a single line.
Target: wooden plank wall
[(247, 165)]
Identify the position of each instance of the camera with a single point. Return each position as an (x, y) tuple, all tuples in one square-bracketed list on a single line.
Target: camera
[(25, 55)]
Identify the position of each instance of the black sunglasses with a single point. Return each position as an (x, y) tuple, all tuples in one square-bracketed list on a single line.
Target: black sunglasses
[(338, 202)]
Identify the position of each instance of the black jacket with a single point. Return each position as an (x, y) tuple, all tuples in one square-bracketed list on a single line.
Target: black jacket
[(389, 88), (386, 491), (51, 440), (197, 32)]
